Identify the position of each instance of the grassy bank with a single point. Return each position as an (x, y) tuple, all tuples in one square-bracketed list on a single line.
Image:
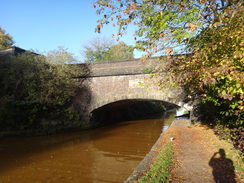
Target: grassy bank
[(233, 147), (160, 169)]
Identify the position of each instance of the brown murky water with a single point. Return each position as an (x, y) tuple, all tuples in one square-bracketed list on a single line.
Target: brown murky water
[(106, 154)]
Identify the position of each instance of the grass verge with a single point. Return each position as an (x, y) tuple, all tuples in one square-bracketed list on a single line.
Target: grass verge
[(234, 155), (160, 169)]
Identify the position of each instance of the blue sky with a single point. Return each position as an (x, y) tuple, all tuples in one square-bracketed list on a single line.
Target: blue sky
[(44, 25)]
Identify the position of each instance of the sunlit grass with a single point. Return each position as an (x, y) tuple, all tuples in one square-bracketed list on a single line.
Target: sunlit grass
[(160, 170), (234, 155)]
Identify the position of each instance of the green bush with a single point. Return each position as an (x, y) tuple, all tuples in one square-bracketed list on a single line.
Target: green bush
[(214, 74), (32, 89)]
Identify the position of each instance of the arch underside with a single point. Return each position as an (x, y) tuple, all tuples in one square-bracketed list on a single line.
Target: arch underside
[(110, 89), (134, 99)]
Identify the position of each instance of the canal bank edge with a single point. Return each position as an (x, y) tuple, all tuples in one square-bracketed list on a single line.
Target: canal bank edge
[(145, 164)]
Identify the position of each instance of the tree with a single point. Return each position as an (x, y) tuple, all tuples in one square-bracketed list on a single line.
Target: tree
[(60, 56), (105, 49), (95, 50), (211, 31), (160, 24), (214, 74), (6, 41), (120, 51), (34, 87), (64, 60)]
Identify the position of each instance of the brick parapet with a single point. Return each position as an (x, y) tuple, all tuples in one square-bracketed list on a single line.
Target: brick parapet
[(125, 67)]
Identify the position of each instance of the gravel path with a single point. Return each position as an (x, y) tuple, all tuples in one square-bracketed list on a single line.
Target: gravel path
[(196, 158)]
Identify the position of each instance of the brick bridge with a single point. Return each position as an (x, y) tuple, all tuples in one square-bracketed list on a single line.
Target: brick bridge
[(118, 84), (122, 83)]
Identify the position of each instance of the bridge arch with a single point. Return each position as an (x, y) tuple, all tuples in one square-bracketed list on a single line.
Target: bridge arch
[(129, 109), (105, 90), (147, 96), (103, 83)]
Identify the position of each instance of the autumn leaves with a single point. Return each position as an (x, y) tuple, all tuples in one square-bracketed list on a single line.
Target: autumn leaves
[(159, 26)]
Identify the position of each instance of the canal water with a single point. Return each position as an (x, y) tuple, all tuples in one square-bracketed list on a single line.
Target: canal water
[(106, 154)]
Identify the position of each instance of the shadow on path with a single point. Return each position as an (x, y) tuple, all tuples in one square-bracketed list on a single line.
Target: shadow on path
[(223, 169)]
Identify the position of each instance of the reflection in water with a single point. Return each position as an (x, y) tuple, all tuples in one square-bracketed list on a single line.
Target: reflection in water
[(107, 154)]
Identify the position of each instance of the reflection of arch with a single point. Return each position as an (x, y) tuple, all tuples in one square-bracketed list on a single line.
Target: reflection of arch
[(122, 142)]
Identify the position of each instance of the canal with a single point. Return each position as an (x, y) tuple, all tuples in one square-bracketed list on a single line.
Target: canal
[(106, 154)]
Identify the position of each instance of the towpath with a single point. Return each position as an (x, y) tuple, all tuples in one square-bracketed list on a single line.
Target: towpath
[(199, 155)]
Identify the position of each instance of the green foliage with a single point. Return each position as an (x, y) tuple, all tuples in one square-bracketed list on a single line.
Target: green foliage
[(212, 31), (215, 71), (98, 50), (159, 24), (95, 50), (61, 56), (6, 41), (148, 70), (160, 170), (236, 136), (120, 51), (33, 89)]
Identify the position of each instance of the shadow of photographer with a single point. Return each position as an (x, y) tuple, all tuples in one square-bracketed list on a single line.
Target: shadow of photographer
[(223, 169)]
